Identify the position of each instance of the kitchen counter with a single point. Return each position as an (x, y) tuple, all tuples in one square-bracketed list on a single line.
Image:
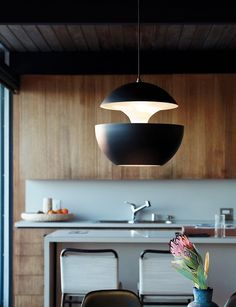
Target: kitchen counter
[(129, 243), (97, 225), (94, 224), (127, 236)]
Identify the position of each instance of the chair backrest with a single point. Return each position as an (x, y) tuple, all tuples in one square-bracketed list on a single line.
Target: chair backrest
[(231, 302), (111, 298), (157, 276), (84, 270)]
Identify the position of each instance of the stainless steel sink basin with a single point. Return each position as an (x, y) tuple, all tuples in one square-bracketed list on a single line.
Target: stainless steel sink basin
[(151, 222), (136, 222), (114, 221)]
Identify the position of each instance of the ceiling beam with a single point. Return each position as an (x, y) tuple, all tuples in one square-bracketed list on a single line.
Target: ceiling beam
[(114, 11), (154, 62)]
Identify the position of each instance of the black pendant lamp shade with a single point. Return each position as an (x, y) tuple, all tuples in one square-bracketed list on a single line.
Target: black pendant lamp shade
[(139, 144), (139, 101), (139, 91)]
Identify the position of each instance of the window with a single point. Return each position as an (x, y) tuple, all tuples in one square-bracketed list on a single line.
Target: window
[(5, 258), (1, 194)]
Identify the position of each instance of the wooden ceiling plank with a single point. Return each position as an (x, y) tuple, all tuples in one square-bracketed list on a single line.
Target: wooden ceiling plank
[(104, 37), (130, 34), (6, 44), (11, 38), (64, 37), (25, 40), (50, 36), (213, 36), (148, 36), (173, 36), (228, 38), (91, 37), (186, 37), (199, 37), (78, 37), (161, 32), (117, 39), (36, 36)]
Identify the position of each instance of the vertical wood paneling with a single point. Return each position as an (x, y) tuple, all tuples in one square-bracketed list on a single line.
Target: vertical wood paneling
[(228, 97), (28, 267), (28, 300), (54, 119), (29, 284)]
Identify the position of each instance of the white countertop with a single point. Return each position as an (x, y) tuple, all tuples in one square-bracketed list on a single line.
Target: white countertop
[(92, 224), (97, 225), (126, 236)]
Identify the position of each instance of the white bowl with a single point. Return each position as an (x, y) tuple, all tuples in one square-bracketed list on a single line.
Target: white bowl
[(42, 217)]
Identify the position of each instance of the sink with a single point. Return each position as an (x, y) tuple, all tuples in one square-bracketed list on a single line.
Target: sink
[(151, 222), (114, 221), (136, 222)]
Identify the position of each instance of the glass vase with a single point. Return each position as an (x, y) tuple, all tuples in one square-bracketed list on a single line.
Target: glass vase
[(202, 298)]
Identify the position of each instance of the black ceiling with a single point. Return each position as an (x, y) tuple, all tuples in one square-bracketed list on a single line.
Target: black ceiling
[(92, 37), (115, 11)]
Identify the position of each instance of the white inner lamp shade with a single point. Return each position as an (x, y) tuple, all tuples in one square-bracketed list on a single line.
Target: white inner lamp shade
[(139, 111)]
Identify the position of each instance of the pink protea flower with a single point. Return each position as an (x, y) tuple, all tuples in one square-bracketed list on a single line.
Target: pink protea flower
[(180, 245), (187, 243), (188, 261)]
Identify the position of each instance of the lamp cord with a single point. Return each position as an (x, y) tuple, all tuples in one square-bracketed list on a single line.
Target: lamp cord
[(138, 77)]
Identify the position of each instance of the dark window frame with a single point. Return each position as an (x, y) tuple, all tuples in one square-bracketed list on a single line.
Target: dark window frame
[(5, 187), (1, 191)]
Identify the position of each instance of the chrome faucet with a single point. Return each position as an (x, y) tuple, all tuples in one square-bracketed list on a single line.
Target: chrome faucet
[(136, 209)]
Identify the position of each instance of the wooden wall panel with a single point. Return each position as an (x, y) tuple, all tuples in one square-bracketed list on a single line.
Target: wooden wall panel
[(53, 138), (228, 96), (25, 300), (58, 113)]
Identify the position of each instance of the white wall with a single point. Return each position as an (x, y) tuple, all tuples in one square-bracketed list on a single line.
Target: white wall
[(100, 199)]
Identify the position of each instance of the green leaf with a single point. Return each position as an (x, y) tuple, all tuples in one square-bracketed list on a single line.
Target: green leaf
[(201, 278), (185, 271)]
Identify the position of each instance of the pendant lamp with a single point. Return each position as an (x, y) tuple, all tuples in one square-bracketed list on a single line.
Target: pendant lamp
[(139, 143)]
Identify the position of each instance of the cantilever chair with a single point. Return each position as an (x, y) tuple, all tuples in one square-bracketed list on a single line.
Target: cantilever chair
[(159, 283), (85, 270), (111, 298)]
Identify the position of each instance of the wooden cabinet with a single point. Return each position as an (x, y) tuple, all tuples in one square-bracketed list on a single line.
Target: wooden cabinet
[(28, 268)]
